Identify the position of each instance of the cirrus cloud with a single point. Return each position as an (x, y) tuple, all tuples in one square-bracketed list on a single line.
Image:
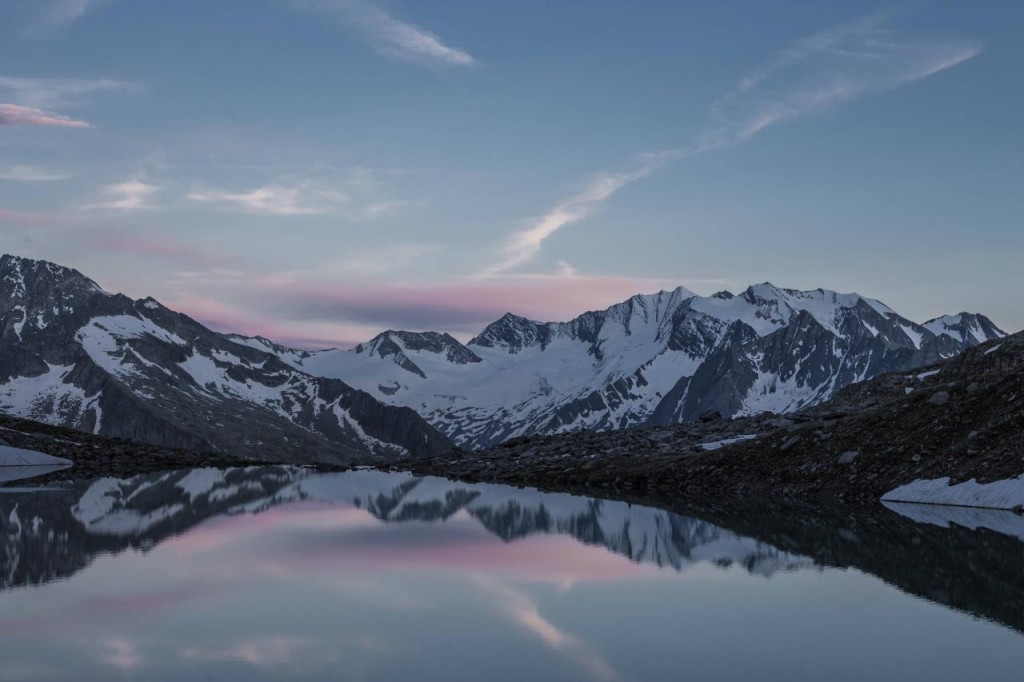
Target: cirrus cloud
[(15, 114), (814, 74), (393, 37), (31, 174), (278, 199), (126, 196)]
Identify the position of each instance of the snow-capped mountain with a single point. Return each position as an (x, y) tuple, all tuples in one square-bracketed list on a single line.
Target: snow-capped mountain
[(49, 537), (969, 328), (653, 359), (74, 355)]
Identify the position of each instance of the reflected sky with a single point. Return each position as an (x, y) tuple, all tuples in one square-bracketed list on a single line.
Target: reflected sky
[(368, 576)]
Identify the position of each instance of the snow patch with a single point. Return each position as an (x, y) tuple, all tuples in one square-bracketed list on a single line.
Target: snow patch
[(19, 457), (715, 445), (1006, 494), (1000, 521)]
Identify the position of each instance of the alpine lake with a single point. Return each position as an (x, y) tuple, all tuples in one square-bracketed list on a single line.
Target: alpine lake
[(284, 573)]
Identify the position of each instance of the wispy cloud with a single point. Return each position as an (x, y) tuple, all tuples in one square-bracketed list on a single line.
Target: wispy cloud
[(31, 174), (302, 198), (393, 37), (156, 246), (52, 93), (64, 11), (46, 15), (525, 244), (30, 101), (827, 69), (814, 74), (126, 196), (356, 196), (14, 115)]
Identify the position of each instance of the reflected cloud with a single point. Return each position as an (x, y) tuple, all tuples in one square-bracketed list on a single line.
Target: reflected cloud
[(120, 653), (521, 610)]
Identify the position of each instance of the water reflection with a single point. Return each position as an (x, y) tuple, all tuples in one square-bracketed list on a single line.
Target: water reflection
[(281, 573)]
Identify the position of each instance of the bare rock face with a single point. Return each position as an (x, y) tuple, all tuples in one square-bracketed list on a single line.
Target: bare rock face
[(72, 354)]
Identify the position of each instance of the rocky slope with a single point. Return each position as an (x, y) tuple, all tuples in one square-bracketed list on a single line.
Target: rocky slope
[(652, 360), (73, 355), (962, 419)]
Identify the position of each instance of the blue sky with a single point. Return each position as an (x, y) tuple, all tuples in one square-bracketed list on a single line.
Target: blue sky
[(318, 170)]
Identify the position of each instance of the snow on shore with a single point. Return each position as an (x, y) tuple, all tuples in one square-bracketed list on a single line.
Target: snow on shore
[(998, 520), (17, 457), (1006, 494), (17, 464)]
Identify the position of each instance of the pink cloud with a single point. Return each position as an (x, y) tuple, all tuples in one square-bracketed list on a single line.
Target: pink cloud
[(455, 306), (160, 600), (161, 247), (228, 319), (14, 114), (18, 218), (323, 314)]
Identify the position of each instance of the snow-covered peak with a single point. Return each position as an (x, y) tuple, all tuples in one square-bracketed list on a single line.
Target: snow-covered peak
[(19, 272), (965, 327), (35, 293), (393, 343), (647, 309), (512, 333), (774, 306), (292, 356)]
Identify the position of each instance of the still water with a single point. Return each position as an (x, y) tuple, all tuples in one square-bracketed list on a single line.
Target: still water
[(275, 573)]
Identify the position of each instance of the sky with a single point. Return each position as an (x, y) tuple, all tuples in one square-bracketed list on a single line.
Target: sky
[(317, 171)]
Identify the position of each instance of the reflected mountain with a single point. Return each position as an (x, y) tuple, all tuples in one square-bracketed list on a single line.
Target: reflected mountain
[(972, 566), (53, 534)]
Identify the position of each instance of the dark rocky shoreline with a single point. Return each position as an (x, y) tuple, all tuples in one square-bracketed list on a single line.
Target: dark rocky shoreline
[(96, 456)]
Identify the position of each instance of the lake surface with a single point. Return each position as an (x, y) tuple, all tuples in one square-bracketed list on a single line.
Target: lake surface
[(275, 573)]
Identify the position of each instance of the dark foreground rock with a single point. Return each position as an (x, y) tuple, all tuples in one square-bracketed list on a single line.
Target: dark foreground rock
[(961, 419), (95, 456)]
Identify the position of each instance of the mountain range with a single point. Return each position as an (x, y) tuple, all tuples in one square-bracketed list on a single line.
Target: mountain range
[(75, 355), (651, 360)]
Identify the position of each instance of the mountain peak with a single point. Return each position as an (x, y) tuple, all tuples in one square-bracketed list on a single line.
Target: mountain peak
[(513, 333), (395, 342), (965, 327), (18, 272), (36, 292)]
